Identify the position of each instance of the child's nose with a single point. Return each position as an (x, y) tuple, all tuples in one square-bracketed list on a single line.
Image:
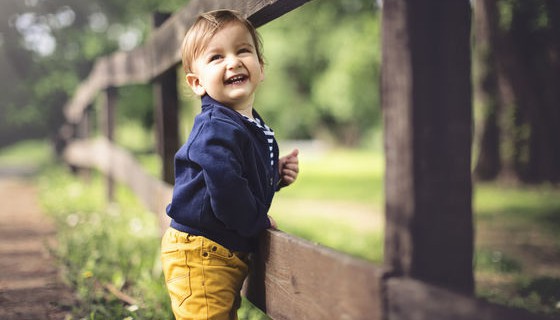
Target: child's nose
[(233, 63)]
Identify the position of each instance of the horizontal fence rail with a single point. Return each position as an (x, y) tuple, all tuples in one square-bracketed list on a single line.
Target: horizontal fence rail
[(295, 279), (117, 163)]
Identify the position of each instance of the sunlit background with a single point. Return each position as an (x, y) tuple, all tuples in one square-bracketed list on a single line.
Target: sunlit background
[(322, 95)]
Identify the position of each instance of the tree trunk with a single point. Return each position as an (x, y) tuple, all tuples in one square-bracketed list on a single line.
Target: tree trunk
[(540, 50), (487, 133), (521, 119)]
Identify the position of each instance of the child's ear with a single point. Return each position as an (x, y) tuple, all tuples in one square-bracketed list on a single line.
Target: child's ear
[(194, 82), (262, 72)]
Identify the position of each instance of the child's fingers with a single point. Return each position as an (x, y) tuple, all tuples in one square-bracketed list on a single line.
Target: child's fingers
[(289, 176), (289, 180), (293, 153), (273, 224), (291, 166)]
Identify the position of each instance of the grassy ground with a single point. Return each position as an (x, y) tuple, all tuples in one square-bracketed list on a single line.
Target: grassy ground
[(518, 246), (336, 202), (104, 247), (27, 153)]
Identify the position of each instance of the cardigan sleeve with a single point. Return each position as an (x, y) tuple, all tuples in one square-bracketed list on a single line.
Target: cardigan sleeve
[(219, 151)]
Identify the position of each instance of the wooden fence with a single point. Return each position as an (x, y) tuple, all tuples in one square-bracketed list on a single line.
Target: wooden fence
[(426, 100)]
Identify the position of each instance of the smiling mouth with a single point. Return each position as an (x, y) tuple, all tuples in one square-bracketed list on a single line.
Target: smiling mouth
[(236, 79)]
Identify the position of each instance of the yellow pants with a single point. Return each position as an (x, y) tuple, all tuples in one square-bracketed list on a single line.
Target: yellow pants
[(203, 278)]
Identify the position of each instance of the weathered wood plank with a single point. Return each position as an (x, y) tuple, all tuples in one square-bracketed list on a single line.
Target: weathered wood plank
[(161, 50), (116, 162), (426, 99), (414, 300), (294, 279)]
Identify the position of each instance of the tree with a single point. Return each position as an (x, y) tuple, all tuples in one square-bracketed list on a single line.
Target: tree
[(47, 47), (322, 78), (517, 47)]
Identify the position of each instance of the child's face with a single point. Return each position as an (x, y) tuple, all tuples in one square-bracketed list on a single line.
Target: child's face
[(228, 69)]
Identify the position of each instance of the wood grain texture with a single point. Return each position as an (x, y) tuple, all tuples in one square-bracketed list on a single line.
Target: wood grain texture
[(292, 278), (427, 119), (414, 300)]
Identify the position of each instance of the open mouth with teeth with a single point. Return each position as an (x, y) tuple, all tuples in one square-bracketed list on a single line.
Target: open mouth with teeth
[(238, 79)]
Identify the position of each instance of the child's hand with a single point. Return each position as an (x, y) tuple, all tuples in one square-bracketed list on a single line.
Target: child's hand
[(273, 224), (289, 168)]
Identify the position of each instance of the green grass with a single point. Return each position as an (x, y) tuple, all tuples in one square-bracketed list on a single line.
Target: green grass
[(101, 245), (27, 153), (340, 174), (524, 205), (518, 246), (336, 202)]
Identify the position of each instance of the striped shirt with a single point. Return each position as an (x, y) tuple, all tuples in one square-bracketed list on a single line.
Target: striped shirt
[(267, 132)]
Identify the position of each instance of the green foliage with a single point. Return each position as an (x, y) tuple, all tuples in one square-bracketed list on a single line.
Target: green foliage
[(322, 76), (135, 138), (136, 103), (539, 295), (46, 48), (101, 246), (545, 289), (250, 312)]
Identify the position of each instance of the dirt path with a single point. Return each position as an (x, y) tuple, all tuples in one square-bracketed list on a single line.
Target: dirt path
[(29, 283)]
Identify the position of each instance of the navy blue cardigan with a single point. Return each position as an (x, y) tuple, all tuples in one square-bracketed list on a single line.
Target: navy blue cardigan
[(224, 183)]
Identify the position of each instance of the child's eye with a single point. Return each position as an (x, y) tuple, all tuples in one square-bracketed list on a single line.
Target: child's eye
[(214, 57), (244, 50)]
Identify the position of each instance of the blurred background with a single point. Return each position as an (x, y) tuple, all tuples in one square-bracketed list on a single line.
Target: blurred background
[(321, 94)]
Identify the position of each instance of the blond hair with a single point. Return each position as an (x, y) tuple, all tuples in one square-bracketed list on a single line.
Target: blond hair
[(205, 27)]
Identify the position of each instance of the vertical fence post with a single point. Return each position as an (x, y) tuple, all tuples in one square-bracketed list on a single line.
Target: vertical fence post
[(108, 121), (84, 127), (426, 100), (83, 131), (166, 113)]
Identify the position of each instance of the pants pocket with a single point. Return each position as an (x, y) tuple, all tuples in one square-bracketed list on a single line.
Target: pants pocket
[(177, 275)]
